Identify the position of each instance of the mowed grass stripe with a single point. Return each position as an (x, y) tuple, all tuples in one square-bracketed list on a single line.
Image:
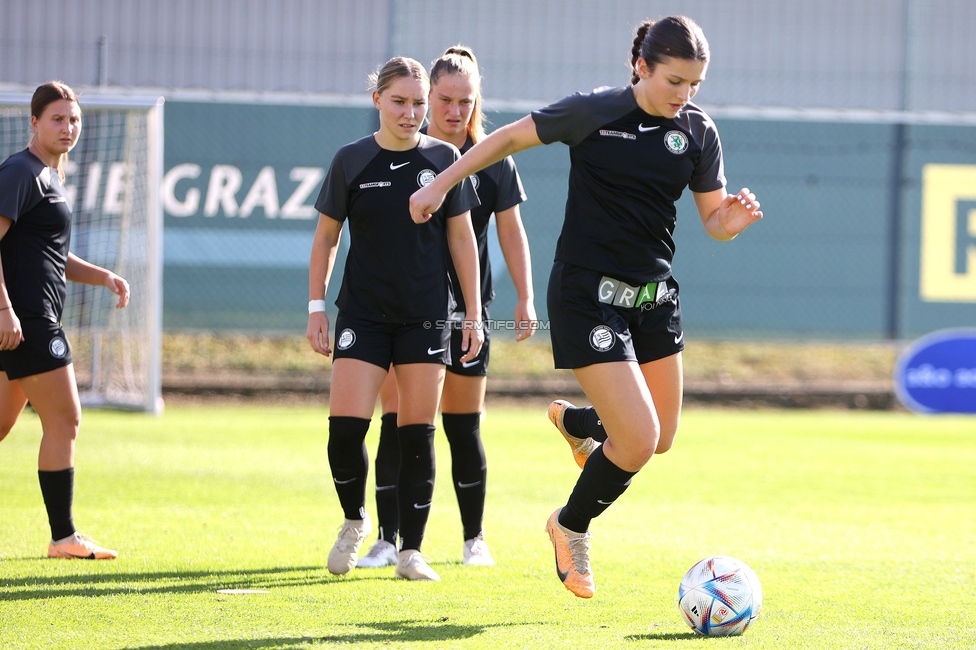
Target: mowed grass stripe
[(860, 526)]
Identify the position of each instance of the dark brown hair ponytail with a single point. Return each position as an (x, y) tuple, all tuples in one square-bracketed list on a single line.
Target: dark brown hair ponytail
[(45, 95), (677, 37)]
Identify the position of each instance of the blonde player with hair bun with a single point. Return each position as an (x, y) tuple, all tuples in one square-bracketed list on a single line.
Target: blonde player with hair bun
[(456, 117), (394, 293)]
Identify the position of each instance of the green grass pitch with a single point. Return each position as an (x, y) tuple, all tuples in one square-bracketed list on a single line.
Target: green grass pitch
[(861, 527)]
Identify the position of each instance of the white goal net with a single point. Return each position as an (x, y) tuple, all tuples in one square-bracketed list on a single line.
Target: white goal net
[(113, 176)]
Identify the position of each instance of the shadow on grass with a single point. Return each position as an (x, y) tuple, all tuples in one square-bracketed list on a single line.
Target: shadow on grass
[(683, 636), (162, 582), (386, 632)]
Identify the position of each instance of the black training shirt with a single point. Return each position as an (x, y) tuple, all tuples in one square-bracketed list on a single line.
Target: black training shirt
[(627, 170), (499, 188), (396, 270), (35, 248)]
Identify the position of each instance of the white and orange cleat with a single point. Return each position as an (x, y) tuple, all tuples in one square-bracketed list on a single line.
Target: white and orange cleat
[(78, 546), (582, 447), (572, 557)]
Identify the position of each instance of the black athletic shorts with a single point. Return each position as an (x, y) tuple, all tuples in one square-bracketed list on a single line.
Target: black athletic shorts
[(477, 367), (44, 348), (594, 318), (384, 343)]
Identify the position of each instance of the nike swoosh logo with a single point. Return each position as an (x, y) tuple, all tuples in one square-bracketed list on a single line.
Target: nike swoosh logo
[(338, 482), (421, 507), (438, 351), (383, 488), (559, 572), (606, 503), (468, 485), (645, 129), (392, 166), (468, 364), (90, 556), (678, 338), (562, 574)]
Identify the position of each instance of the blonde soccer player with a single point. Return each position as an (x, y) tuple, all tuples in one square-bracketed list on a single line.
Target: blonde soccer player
[(456, 116), (393, 305)]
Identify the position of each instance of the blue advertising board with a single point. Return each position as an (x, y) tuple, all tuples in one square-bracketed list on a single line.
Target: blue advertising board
[(937, 373)]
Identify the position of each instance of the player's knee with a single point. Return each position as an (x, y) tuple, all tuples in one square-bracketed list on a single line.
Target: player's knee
[(65, 431), (663, 446), (5, 428), (72, 423), (642, 453)]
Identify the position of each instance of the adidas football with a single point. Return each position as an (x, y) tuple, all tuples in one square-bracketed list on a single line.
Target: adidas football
[(720, 596)]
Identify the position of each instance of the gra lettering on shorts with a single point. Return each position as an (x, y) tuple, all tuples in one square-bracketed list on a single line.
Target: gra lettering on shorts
[(620, 294)]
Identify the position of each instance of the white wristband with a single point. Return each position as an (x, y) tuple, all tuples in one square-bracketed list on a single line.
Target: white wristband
[(316, 306)]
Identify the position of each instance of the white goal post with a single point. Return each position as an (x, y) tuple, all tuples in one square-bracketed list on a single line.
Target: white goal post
[(113, 177)]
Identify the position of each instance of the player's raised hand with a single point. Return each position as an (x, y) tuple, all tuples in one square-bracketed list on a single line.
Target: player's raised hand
[(425, 202), (318, 332), (739, 211)]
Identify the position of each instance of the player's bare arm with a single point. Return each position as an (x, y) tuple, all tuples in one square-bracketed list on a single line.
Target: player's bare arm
[(515, 248), (464, 252), (325, 243), (10, 332), (78, 270), (726, 215), (506, 141)]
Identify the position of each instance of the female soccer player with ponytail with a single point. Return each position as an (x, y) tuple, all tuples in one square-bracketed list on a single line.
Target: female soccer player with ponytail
[(456, 117), (35, 359), (613, 305), (392, 305)]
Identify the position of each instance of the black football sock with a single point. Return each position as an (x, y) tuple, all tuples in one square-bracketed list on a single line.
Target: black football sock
[(349, 462), (57, 489), (469, 468), (387, 468), (415, 485), (583, 422), (599, 485)]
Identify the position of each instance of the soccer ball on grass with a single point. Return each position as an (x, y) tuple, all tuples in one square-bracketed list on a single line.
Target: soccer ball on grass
[(720, 596)]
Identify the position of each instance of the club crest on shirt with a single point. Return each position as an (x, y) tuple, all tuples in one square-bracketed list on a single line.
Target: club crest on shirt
[(346, 339), (58, 347), (426, 177), (676, 142), (474, 181), (602, 338)]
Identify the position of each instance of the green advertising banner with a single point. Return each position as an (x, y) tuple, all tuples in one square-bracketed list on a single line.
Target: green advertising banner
[(837, 256)]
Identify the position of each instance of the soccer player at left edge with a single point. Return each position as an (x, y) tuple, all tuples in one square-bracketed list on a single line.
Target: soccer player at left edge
[(35, 358)]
